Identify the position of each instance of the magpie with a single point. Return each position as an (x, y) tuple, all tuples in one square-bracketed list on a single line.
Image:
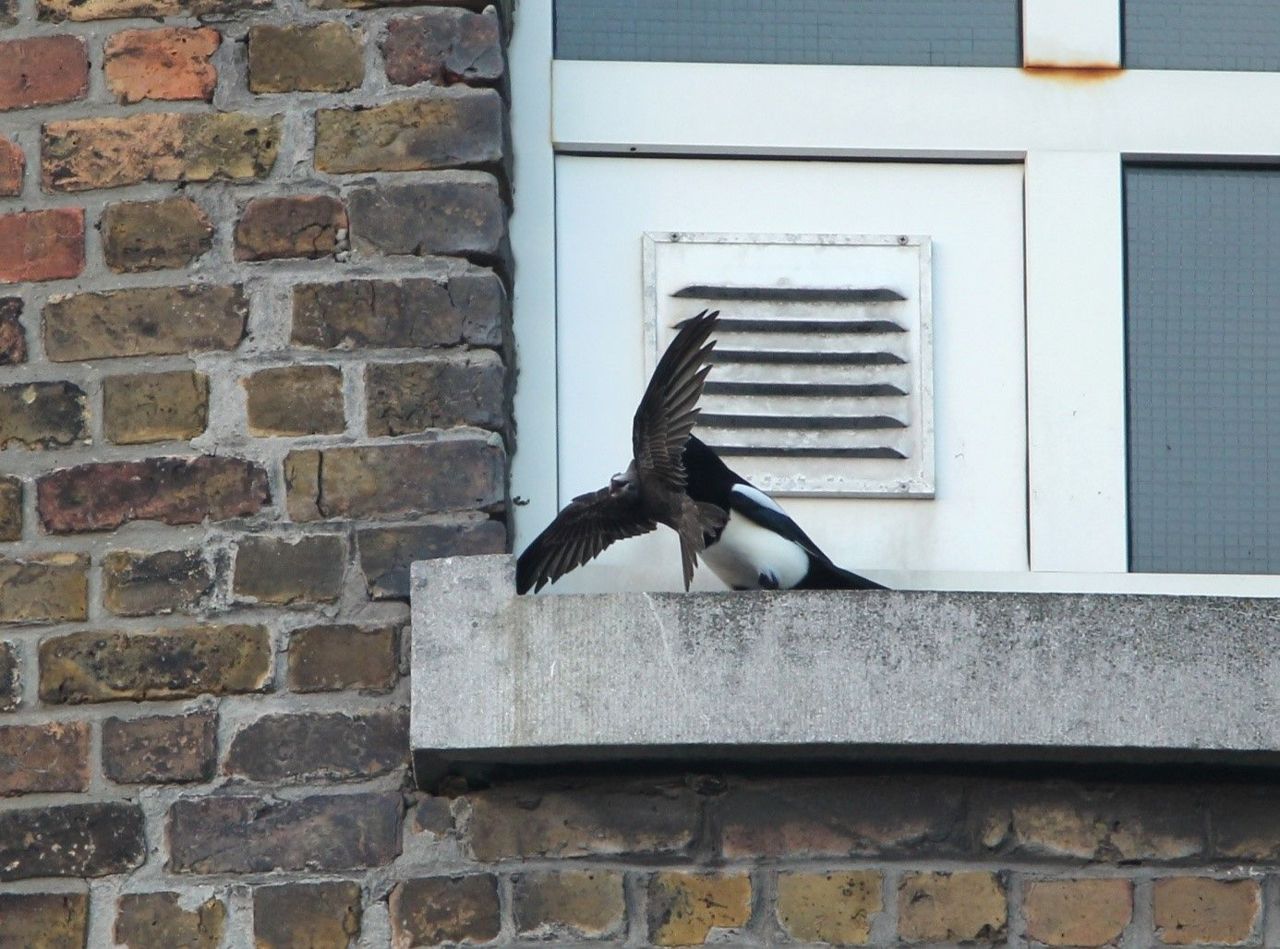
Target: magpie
[(652, 489), (759, 547)]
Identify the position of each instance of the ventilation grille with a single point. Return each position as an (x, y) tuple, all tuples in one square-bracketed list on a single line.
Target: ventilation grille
[(820, 382)]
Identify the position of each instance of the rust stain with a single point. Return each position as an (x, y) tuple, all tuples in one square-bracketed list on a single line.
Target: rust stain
[(1080, 73)]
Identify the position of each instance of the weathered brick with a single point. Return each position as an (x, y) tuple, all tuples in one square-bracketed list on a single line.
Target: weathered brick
[(255, 835), (135, 583), (10, 508), (459, 131), (599, 818), (461, 214), (1082, 913), (387, 552), (154, 235), (436, 910), (13, 163), (319, 57), (104, 495), (296, 226), (13, 339), (290, 570), (414, 313), (295, 400), (154, 407), (158, 921), (403, 398), (170, 63), (952, 907), (835, 908), (44, 920), (41, 245), (8, 12), (444, 47), (395, 479), (320, 746), (79, 154), (172, 664), (1198, 910), (50, 588), (50, 757), (584, 904), (685, 907), (433, 815), (72, 840), (167, 749), (10, 686), (42, 415), (365, 4), (144, 321), (1245, 823), (823, 817), (42, 70), (328, 658), (117, 9), (316, 915)]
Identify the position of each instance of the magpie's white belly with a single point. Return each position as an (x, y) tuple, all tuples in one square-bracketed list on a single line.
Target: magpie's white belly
[(746, 550)]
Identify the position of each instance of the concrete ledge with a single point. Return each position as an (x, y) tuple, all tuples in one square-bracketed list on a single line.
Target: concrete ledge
[(499, 678)]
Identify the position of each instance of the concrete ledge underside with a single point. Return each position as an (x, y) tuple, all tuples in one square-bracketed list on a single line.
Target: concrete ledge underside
[(504, 679)]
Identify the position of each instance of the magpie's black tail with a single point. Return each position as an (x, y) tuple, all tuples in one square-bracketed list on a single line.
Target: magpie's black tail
[(827, 576)]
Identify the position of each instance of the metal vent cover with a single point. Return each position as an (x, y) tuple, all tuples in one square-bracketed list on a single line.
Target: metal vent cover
[(823, 380)]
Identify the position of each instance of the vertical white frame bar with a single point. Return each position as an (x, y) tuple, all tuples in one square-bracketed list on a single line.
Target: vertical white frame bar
[(1071, 34), (1075, 362)]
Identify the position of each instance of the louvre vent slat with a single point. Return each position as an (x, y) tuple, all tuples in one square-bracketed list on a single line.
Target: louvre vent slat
[(731, 325), (800, 422), (812, 390), (758, 451), (791, 294), (817, 358)]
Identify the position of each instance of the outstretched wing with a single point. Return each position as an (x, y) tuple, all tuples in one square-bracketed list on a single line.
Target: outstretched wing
[(669, 406), (587, 525)]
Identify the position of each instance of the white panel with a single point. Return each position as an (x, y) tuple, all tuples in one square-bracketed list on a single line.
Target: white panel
[(1075, 362), (973, 215), (1071, 33)]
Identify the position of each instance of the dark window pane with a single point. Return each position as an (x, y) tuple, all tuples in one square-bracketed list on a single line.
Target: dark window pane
[(886, 32), (1202, 34), (1203, 329)]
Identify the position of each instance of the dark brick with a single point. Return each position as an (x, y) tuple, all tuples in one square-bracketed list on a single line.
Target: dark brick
[(167, 749), (170, 63), (44, 920), (42, 70), (328, 658), (387, 552), (144, 321), (143, 584), (50, 588), (10, 685), (41, 245), (568, 905), (111, 9), (444, 46), (366, 4), (1245, 823), (462, 214), (433, 815), (439, 910), (256, 835), (316, 915), (295, 400), (79, 154), (158, 921), (13, 338), (174, 664), (290, 570), (462, 131), (861, 816), (318, 57), (72, 840), (297, 226), (102, 496), (154, 407), (554, 820), (319, 746), (13, 163), (412, 313), (8, 12), (154, 235), (451, 475), (50, 757), (10, 508), (411, 397), (42, 415)]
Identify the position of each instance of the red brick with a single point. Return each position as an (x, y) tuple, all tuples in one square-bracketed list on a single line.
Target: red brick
[(168, 63), (12, 165), (444, 47), (104, 495), (52, 757), (41, 245), (42, 71), (296, 226)]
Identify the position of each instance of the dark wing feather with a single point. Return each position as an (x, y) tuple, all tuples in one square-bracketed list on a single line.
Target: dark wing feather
[(669, 406), (587, 525)]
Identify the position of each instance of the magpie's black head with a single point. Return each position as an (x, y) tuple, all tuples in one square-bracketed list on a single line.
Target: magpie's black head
[(710, 479)]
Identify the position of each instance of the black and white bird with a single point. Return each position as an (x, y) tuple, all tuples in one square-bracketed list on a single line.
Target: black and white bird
[(652, 489), (759, 547)]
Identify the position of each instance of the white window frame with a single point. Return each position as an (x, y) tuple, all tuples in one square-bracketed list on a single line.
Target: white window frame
[(1072, 120)]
